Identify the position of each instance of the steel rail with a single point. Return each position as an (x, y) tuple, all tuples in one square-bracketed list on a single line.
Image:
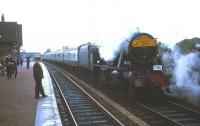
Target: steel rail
[(167, 118), (111, 116), (183, 107), (65, 101)]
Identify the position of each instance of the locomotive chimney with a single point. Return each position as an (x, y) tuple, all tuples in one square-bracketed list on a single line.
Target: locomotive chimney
[(2, 18)]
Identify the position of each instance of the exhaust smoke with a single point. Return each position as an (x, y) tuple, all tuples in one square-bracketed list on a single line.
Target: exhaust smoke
[(110, 50), (185, 71)]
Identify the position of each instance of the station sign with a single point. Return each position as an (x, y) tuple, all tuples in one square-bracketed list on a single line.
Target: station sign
[(197, 45)]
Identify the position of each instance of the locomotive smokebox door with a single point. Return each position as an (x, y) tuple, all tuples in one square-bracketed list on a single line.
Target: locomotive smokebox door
[(143, 48)]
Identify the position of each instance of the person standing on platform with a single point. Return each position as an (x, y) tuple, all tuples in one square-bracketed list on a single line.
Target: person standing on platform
[(8, 63), (2, 67), (38, 75), (28, 62), (14, 67), (21, 61)]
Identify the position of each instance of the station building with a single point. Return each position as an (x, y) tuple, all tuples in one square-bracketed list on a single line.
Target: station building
[(10, 38)]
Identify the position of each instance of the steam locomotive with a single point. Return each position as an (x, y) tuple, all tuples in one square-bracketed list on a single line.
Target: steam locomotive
[(137, 65)]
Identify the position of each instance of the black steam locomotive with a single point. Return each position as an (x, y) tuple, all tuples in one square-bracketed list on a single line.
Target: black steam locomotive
[(137, 67)]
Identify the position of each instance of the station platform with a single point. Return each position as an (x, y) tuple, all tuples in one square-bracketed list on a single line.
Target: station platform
[(18, 105)]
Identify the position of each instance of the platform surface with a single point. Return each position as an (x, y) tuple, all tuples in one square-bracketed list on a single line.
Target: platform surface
[(47, 111), (18, 105)]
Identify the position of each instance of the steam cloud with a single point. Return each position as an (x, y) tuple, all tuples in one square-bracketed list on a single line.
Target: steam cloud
[(185, 71), (109, 51)]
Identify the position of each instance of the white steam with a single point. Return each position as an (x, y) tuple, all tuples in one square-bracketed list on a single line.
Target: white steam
[(109, 49), (185, 71)]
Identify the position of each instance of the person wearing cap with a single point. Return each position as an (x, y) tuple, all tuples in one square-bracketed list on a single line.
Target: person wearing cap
[(38, 75)]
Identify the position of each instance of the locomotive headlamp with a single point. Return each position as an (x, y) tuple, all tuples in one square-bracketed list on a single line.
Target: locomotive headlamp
[(130, 74), (138, 83), (115, 72)]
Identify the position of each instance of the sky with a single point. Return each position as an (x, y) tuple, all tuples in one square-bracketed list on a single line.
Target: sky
[(57, 23)]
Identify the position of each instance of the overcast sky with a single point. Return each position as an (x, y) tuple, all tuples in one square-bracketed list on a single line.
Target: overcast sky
[(55, 23)]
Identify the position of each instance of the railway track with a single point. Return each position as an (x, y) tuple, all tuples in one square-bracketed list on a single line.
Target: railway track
[(165, 113), (83, 109), (174, 113)]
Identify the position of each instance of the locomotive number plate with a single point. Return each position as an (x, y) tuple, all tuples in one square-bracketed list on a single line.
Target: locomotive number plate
[(157, 67)]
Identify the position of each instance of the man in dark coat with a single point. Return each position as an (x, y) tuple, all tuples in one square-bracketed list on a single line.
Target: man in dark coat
[(8, 62), (38, 75), (28, 62), (21, 61), (14, 67)]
